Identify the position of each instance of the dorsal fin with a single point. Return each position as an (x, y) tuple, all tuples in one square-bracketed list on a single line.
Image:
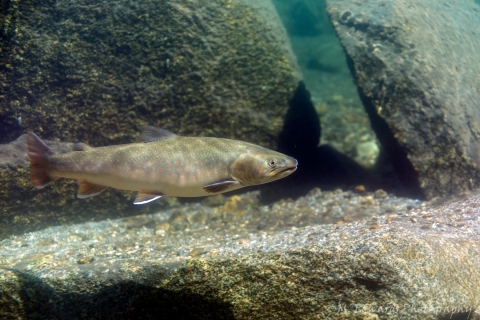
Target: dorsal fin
[(150, 133), (80, 146)]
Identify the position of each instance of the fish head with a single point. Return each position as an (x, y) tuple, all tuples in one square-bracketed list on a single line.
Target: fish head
[(261, 166)]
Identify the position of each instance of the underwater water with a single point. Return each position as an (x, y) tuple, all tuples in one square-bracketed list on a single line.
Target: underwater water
[(239, 159)]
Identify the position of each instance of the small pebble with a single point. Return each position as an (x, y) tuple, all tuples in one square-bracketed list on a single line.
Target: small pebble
[(74, 237), (86, 260), (369, 201), (380, 194), (137, 221), (160, 233), (196, 252), (214, 201), (314, 192), (360, 189), (163, 226), (197, 218)]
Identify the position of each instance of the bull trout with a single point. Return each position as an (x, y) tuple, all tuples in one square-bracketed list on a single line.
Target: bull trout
[(162, 164)]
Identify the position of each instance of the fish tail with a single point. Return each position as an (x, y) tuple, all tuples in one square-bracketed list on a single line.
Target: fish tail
[(38, 152)]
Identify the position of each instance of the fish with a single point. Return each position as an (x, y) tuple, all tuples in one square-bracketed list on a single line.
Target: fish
[(161, 164)]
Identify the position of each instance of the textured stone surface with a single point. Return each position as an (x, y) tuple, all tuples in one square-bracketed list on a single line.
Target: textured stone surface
[(415, 63), (96, 72), (243, 261)]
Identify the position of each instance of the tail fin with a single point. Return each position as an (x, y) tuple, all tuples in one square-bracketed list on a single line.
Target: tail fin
[(38, 152)]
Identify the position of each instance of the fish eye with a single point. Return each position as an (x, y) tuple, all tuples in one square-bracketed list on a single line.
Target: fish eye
[(272, 163)]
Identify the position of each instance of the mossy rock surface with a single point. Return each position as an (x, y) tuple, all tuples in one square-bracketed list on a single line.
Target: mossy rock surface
[(96, 72)]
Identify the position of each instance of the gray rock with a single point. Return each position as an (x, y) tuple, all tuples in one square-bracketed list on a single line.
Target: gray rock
[(420, 262), (416, 66), (97, 71)]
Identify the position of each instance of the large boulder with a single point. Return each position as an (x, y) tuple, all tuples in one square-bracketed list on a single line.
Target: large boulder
[(239, 260), (416, 67), (95, 72)]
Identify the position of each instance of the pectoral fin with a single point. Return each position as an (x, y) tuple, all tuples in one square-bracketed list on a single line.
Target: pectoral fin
[(221, 186), (87, 189), (145, 196)]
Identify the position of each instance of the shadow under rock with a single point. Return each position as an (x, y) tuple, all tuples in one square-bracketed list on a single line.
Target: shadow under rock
[(323, 166), (122, 300)]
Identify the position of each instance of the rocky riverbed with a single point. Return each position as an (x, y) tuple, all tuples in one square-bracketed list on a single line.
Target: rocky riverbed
[(325, 255)]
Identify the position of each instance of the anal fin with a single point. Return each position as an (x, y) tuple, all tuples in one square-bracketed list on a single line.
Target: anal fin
[(146, 196), (87, 189), (221, 186)]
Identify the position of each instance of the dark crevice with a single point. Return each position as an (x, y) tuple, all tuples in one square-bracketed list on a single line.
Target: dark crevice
[(392, 155), (326, 168), (402, 179), (369, 284), (319, 166)]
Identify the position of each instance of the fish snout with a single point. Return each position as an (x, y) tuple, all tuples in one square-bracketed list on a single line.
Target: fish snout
[(289, 167), (294, 164)]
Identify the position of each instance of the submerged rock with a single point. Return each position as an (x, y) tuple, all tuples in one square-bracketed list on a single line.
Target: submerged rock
[(417, 262), (416, 66), (96, 72)]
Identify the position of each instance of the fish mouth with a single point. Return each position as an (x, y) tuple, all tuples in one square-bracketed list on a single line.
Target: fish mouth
[(292, 168), (287, 170)]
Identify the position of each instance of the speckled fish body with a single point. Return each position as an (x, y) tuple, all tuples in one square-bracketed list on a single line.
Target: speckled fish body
[(164, 164)]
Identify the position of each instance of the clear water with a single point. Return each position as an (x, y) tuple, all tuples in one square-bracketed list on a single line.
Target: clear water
[(98, 71)]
